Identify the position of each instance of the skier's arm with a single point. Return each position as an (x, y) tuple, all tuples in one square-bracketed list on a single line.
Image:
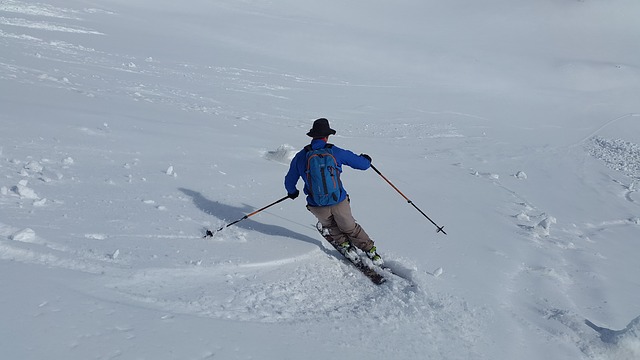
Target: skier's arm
[(349, 158), (293, 175)]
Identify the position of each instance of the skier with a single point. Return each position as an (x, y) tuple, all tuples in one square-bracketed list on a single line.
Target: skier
[(326, 197)]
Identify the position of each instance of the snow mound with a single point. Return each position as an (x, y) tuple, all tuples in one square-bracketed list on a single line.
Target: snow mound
[(521, 175), (95, 236), (283, 154), (24, 235), (543, 227), (25, 192), (34, 166), (171, 171)]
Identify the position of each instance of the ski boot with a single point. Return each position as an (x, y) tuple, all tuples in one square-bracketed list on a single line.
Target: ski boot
[(375, 258), (348, 251)]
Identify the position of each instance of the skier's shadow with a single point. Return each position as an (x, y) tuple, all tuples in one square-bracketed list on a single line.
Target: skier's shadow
[(223, 211)]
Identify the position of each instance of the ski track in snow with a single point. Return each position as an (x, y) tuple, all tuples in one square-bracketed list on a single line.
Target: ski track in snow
[(43, 25), (45, 10), (320, 288)]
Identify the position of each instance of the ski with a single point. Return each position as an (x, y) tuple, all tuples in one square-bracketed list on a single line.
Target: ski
[(371, 271)]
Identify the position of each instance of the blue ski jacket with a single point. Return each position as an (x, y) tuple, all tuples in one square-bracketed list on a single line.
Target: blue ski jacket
[(298, 168)]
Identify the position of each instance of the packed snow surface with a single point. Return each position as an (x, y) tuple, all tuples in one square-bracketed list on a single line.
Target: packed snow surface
[(128, 128)]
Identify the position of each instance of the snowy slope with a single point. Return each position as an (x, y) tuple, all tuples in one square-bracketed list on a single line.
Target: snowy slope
[(128, 127)]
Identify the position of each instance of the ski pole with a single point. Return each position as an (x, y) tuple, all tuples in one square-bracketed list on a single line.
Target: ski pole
[(209, 233), (440, 228)]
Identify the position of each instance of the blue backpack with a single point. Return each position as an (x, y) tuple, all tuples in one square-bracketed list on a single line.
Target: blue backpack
[(323, 176)]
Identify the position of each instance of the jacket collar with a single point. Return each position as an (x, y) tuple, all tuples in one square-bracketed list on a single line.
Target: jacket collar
[(318, 144)]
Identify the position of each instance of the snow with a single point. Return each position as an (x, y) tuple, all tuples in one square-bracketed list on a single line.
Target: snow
[(130, 127), (24, 235), (23, 191)]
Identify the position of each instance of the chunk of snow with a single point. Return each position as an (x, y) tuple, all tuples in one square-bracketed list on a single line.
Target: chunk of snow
[(33, 166), (95, 236), (24, 235), (283, 154), (521, 175), (544, 226), (25, 192), (437, 272), (68, 161), (40, 202)]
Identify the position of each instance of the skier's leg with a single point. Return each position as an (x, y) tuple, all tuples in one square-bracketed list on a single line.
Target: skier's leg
[(326, 218), (347, 224)]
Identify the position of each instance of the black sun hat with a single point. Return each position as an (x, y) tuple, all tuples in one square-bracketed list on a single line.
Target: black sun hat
[(321, 129)]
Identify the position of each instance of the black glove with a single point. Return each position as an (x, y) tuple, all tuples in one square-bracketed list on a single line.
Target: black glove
[(366, 157), (294, 195)]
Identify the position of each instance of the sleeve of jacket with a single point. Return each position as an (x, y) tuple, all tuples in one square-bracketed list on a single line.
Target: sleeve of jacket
[(293, 175), (350, 159)]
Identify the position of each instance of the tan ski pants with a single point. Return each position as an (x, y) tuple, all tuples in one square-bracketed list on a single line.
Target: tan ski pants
[(341, 224)]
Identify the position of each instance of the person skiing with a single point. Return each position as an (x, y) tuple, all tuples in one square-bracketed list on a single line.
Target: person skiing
[(320, 166)]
